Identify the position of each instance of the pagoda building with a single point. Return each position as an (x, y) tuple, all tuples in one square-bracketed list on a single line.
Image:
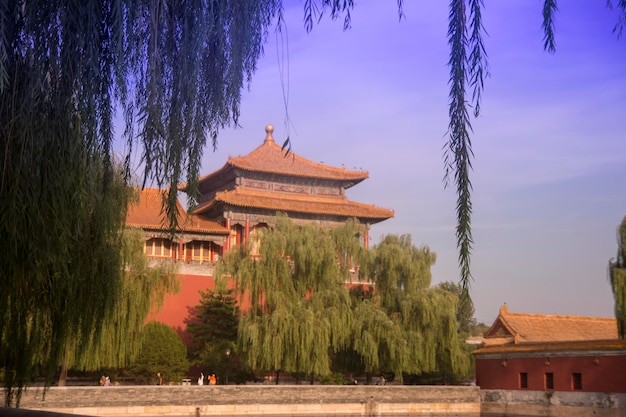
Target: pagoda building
[(235, 204), (247, 192)]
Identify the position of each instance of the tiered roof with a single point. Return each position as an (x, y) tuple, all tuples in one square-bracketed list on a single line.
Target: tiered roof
[(270, 158), (146, 213)]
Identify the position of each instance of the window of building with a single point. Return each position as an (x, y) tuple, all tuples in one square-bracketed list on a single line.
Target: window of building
[(153, 247), (166, 248), (523, 380), (549, 380), (577, 381)]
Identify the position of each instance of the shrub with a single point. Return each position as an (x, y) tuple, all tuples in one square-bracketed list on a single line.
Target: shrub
[(162, 351)]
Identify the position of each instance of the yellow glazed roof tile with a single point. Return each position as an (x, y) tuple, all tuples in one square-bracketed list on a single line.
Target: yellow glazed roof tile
[(270, 158), (146, 213), (533, 328)]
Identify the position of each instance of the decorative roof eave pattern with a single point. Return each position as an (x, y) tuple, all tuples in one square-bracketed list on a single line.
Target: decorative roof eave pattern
[(220, 230), (146, 214), (336, 206)]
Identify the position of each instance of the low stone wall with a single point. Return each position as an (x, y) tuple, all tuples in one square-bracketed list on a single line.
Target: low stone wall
[(257, 400), (554, 404)]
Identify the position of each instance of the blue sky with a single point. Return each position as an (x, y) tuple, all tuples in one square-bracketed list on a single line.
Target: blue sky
[(550, 150)]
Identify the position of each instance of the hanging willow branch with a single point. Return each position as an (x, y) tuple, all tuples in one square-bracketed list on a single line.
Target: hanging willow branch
[(458, 151), (176, 69), (549, 9)]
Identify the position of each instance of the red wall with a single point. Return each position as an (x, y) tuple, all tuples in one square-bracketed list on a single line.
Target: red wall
[(176, 310), (607, 374)]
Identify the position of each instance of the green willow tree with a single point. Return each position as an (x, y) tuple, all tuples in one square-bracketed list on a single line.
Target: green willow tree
[(142, 290), (377, 340), (617, 278), (426, 316), (176, 70), (62, 255), (466, 326), (298, 306)]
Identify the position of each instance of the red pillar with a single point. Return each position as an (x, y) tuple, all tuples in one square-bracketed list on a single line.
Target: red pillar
[(227, 243), (247, 233)]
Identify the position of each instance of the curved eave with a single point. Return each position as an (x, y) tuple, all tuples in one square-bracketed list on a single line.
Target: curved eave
[(332, 206), (270, 158), (207, 177), (347, 180)]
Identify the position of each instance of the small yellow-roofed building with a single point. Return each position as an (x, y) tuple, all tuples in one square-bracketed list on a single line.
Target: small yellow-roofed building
[(551, 352)]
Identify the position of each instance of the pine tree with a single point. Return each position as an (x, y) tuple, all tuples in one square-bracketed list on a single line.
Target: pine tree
[(214, 326)]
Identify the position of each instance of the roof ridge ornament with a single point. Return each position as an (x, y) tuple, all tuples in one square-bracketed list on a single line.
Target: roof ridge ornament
[(269, 130), (504, 309)]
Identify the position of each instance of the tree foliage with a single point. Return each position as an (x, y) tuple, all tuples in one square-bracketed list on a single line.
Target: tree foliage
[(60, 271), (617, 278), (162, 351), (427, 316), (176, 69), (215, 320), (213, 327), (142, 290), (465, 308), (298, 307)]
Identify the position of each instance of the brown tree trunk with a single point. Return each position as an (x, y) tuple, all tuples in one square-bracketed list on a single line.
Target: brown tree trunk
[(63, 374)]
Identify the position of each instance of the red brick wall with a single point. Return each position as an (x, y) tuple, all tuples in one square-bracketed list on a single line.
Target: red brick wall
[(599, 373)]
